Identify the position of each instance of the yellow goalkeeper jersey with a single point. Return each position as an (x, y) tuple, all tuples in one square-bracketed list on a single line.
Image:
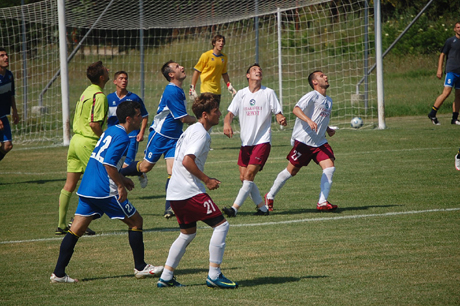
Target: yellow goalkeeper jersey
[(92, 107), (212, 67)]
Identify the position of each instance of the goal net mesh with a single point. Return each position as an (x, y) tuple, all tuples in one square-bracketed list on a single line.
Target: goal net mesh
[(292, 38)]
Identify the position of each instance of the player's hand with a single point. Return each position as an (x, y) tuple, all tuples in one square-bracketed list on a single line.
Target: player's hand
[(228, 131), (192, 93), (439, 74), (15, 117), (1, 125), (129, 184), (140, 137), (330, 132), (313, 125), (281, 119), (231, 89), (212, 183), (122, 194)]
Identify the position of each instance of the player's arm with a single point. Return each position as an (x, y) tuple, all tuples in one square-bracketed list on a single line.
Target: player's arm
[(140, 136), (440, 64), (188, 119), (192, 92), (122, 182), (228, 131), (190, 165), (15, 115), (301, 115), (281, 119), (230, 88), (1, 125), (96, 127)]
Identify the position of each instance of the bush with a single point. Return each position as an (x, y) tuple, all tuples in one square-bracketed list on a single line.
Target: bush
[(426, 36)]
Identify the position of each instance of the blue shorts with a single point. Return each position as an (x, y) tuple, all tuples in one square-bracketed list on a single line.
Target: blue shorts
[(132, 148), (452, 80), (5, 134), (159, 145), (88, 207)]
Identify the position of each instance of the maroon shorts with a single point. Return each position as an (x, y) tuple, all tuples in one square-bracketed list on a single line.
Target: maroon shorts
[(197, 208), (301, 154), (254, 155)]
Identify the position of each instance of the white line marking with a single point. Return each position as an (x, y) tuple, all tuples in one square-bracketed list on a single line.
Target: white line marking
[(255, 224)]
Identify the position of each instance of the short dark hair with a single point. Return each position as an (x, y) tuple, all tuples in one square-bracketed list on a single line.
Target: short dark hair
[(2, 49), (312, 77), (216, 38), (116, 74), (94, 71), (127, 109), (165, 70), (253, 65), (204, 103)]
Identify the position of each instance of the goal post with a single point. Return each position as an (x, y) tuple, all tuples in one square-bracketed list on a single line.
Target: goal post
[(291, 38)]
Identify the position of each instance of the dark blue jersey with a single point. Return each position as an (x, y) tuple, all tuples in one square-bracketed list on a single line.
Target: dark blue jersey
[(452, 51), (6, 92)]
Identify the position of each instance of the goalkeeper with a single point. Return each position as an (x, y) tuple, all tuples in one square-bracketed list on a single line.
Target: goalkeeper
[(210, 67), (90, 117)]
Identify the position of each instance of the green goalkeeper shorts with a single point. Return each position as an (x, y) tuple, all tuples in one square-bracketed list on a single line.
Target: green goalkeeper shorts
[(80, 150)]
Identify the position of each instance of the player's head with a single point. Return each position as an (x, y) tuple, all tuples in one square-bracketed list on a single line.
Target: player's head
[(97, 73), (216, 38), (254, 66), (172, 69), (127, 109), (4, 58), (204, 103), (457, 28), (318, 79), (312, 76), (120, 79)]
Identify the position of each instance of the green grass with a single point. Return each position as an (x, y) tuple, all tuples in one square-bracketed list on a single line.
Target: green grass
[(393, 241)]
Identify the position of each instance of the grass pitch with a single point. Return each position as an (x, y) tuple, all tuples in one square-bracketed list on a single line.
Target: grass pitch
[(393, 241)]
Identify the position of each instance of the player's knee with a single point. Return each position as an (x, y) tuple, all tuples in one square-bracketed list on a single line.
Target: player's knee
[(7, 146)]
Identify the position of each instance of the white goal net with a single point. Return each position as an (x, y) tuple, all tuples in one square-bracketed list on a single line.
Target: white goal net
[(289, 39)]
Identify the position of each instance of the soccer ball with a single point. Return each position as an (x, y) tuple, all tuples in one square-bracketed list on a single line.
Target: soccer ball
[(356, 122)]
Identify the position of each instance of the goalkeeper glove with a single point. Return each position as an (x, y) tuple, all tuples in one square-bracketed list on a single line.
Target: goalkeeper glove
[(192, 93), (231, 89)]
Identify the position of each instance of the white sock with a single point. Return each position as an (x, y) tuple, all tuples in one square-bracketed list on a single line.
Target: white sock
[(214, 272), (245, 190), (217, 244), (177, 249), (167, 275), (279, 182), (326, 183), (255, 195), (263, 208)]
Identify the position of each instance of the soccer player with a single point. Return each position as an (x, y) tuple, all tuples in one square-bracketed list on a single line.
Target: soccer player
[(88, 123), (451, 51), (211, 66), (7, 103), (313, 113), (254, 105), (166, 128), (103, 190), (189, 199), (120, 79)]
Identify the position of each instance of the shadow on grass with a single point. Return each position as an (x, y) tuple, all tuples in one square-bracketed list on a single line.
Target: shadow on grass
[(275, 280), (38, 182), (313, 210), (179, 272)]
